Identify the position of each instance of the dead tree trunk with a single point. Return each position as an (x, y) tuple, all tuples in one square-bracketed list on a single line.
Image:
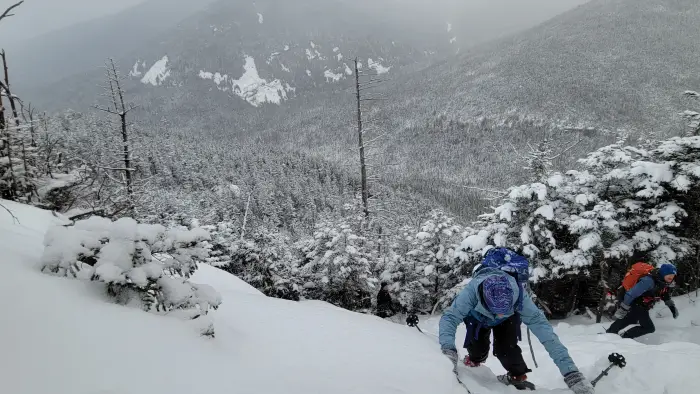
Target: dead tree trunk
[(15, 115), (361, 144), (120, 109), (10, 97), (30, 122), (5, 87)]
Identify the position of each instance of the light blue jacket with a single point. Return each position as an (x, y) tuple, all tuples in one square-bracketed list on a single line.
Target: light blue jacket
[(468, 302)]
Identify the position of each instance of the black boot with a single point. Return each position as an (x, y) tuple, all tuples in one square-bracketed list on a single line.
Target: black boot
[(519, 382)]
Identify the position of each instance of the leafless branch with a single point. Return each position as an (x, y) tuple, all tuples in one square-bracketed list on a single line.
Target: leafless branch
[(14, 218), (7, 11), (566, 150), (500, 192), (516, 151)]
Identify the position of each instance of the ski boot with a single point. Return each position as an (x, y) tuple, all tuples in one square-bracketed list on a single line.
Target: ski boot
[(519, 382), (469, 363)]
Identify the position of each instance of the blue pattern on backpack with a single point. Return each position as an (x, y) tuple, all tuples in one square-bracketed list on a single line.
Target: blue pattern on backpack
[(511, 262)]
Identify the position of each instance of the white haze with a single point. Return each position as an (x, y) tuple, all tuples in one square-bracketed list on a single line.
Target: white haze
[(37, 17)]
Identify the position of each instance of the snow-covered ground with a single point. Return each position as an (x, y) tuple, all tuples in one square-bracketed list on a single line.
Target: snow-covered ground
[(62, 336)]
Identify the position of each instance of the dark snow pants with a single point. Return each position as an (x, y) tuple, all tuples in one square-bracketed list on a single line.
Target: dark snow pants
[(505, 346), (638, 314)]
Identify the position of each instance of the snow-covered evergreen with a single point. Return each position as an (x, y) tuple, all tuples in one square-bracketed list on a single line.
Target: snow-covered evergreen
[(625, 204), (265, 260), (142, 265)]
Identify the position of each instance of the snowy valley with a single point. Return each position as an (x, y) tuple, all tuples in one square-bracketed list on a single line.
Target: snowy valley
[(266, 196)]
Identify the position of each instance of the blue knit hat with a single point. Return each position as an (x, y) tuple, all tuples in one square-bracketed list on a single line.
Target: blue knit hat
[(498, 294), (667, 269)]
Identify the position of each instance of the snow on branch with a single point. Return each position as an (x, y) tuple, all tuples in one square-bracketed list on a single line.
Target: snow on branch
[(141, 265)]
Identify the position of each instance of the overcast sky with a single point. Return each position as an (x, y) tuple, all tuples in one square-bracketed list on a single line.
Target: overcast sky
[(36, 17)]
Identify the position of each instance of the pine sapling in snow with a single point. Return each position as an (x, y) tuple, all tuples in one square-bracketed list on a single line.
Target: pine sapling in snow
[(140, 264)]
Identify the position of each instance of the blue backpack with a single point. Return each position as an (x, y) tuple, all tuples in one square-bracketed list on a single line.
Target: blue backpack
[(512, 263)]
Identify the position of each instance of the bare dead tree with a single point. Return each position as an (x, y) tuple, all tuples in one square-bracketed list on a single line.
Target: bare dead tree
[(114, 91), (361, 144), (28, 117), (693, 117), (5, 92), (27, 161), (366, 80), (7, 14)]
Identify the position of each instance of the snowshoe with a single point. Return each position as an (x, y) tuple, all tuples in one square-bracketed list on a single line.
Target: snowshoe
[(469, 363), (519, 382)]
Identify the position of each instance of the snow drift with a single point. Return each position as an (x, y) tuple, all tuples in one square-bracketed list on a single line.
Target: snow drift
[(63, 336)]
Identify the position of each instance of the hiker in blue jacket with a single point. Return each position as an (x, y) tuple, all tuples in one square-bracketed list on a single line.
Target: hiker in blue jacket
[(640, 299), (493, 301)]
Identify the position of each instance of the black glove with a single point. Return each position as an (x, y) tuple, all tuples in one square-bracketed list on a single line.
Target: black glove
[(621, 311), (452, 355), (578, 383), (672, 306)]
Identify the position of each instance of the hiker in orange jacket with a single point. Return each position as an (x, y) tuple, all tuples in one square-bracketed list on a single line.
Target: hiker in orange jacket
[(639, 299)]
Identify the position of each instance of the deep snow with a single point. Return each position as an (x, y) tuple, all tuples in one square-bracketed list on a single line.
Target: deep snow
[(62, 336)]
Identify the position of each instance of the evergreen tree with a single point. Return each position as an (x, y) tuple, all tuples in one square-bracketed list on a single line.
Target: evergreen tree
[(336, 266)]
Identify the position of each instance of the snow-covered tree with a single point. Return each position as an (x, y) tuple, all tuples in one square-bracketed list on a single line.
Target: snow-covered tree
[(18, 160), (265, 261), (223, 236), (337, 266), (142, 265), (586, 226), (431, 259)]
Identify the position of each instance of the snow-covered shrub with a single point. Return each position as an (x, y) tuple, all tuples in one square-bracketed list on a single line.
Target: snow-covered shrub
[(265, 261), (142, 265)]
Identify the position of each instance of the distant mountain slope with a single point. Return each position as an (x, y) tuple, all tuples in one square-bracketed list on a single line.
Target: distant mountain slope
[(288, 48), (608, 62), (467, 121), (73, 50)]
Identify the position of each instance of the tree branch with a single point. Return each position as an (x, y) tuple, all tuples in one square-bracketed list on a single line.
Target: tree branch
[(14, 218), (7, 11), (566, 150)]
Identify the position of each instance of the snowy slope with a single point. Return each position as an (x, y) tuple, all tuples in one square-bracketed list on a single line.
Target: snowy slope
[(664, 362), (61, 336), (66, 339)]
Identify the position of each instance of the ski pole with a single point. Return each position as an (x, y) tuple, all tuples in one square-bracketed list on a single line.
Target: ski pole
[(532, 351), (460, 381), (616, 360)]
